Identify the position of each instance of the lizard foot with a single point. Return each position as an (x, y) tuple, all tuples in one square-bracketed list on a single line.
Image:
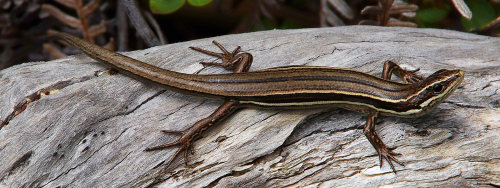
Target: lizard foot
[(411, 76), (228, 58), (388, 154), (184, 144)]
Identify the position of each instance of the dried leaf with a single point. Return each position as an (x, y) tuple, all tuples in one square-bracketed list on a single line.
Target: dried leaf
[(53, 51), (462, 8), (489, 29), (110, 45), (410, 13), (395, 22), (343, 8), (372, 10), (61, 16), (97, 30), (386, 4), (81, 22), (493, 25), (385, 9), (266, 8), (327, 17), (332, 18), (156, 27), (138, 21), (399, 9), (90, 7)]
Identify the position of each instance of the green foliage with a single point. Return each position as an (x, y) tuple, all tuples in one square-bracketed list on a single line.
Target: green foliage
[(165, 6), (289, 24), (169, 6), (431, 15), (199, 3), (482, 14), (266, 24)]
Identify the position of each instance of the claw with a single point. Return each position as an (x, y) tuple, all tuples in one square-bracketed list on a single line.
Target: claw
[(220, 55), (414, 71), (220, 47), (184, 144), (186, 155), (191, 149), (236, 50), (411, 76), (228, 58), (210, 63), (388, 154), (172, 159), (172, 132), (164, 146)]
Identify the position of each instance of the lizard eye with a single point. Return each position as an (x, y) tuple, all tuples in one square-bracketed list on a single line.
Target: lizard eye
[(437, 88)]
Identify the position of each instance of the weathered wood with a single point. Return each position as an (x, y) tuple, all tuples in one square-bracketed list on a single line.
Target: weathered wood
[(93, 130)]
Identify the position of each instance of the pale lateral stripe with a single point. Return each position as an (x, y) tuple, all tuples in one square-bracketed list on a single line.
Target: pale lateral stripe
[(305, 67), (409, 112)]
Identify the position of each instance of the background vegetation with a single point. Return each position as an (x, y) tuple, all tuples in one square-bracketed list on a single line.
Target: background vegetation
[(126, 25)]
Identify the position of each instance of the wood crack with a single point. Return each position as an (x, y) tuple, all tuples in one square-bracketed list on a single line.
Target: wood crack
[(37, 95)]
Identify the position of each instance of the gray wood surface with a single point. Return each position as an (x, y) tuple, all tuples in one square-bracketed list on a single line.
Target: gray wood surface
[(91, 130)]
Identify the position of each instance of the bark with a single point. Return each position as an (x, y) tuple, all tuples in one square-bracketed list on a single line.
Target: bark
[(92, 127)]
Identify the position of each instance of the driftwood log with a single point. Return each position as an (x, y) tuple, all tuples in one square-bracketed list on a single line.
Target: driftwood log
[(72, 123)]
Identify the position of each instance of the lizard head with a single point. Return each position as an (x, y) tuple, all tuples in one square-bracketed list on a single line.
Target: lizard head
[(435, 89)]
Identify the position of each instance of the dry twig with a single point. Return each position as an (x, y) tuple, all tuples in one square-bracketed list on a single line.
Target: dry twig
[(385, 9)]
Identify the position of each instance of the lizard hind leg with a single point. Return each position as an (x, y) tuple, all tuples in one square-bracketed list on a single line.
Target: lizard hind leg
[(408, 76), (238, 62), (230, 60), (189, 135)]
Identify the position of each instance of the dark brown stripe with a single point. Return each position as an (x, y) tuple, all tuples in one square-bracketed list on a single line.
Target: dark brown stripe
[(312, 97)]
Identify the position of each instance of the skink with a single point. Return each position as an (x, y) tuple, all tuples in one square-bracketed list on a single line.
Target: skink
[(294, 87)]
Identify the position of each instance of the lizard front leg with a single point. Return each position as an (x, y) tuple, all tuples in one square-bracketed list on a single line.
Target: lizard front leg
[(383, 151), (369, 129), (230, 60)]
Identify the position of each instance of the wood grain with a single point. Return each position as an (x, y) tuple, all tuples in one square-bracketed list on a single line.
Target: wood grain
[(90, 131)]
